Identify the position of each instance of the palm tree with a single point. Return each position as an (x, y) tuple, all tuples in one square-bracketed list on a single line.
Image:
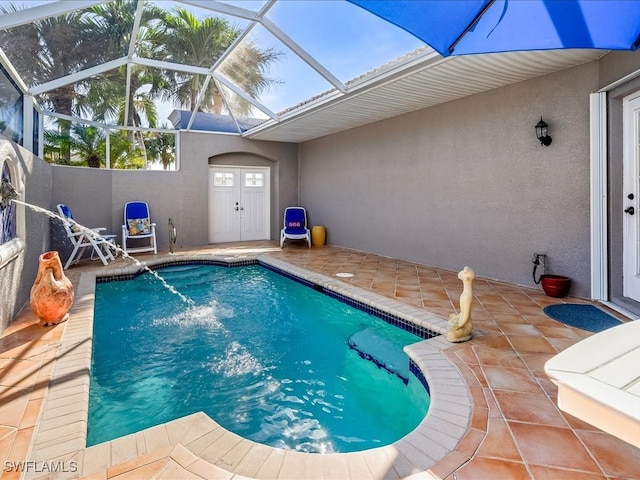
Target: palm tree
[(113, 22), (161, 146), (87, 142), (106, 98), (57, 147), (125, 153), (57, 46), (201, 42), (52, 48), (194, 42)]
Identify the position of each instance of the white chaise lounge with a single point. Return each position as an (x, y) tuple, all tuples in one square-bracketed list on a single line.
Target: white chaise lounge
[(598, 380)]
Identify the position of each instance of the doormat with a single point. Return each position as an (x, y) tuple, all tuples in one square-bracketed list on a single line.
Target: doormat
[(585, 317)]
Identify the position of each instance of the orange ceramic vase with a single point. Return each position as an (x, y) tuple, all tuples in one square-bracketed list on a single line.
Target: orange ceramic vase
[(52, 293)]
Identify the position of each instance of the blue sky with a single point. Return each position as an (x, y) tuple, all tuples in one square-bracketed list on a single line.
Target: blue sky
[(346, 39)]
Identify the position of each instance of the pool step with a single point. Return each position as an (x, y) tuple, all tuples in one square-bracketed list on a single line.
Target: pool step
[(184, 276), (380, 351)]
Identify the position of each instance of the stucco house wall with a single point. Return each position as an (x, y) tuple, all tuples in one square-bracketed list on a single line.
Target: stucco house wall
[(615, 66), (466, 182)]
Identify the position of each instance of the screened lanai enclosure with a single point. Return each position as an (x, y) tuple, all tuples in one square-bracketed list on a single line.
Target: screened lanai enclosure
[(107, 84)]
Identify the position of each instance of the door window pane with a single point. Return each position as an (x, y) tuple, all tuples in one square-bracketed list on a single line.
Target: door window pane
[(254, 180), (223, 179)]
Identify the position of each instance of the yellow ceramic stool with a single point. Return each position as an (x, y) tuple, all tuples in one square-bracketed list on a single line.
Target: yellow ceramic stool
[(318, 235)]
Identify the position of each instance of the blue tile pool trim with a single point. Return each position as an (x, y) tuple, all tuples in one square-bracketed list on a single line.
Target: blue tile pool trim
[(390, 318), (290, 276), (413, 368)]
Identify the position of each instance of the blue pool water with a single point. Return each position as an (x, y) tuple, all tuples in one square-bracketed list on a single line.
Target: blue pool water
[(261, 354)]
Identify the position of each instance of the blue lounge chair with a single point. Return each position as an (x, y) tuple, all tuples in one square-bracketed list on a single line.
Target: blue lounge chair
[(137, 226), (295, 225), (82, 237)]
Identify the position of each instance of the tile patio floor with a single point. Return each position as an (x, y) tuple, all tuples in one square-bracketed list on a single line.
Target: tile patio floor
[(516, 430)]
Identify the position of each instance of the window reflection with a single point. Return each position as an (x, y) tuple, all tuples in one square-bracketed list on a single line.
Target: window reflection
[(8, 214), (11, 123)]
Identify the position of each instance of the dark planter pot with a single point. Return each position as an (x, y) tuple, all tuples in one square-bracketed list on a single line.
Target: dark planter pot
[(555, 285)]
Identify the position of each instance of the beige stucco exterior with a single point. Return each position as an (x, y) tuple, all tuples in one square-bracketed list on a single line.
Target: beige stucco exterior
[(466, 182)]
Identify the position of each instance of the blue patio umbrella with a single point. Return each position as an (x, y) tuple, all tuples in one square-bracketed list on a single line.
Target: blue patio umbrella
[(460, 27)]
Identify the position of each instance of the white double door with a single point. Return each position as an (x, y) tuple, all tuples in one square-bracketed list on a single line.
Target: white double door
[(239, 203)]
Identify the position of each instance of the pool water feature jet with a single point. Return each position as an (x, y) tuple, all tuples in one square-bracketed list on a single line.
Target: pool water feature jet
[(118, 249), (7, 194)]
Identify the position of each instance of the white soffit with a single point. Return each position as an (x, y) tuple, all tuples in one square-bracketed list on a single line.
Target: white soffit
[(413, 86)]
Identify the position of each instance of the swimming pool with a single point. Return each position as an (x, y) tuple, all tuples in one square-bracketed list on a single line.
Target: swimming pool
[(286, 401)]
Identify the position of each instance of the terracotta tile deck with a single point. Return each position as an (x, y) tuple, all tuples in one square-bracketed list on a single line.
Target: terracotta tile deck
[(513, 429)]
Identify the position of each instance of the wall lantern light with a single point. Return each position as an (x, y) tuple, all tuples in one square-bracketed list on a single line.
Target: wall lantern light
[(541, 132)]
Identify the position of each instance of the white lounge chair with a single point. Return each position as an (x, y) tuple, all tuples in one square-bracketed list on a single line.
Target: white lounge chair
[(83, 237), (295, 225), (137, 226)]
